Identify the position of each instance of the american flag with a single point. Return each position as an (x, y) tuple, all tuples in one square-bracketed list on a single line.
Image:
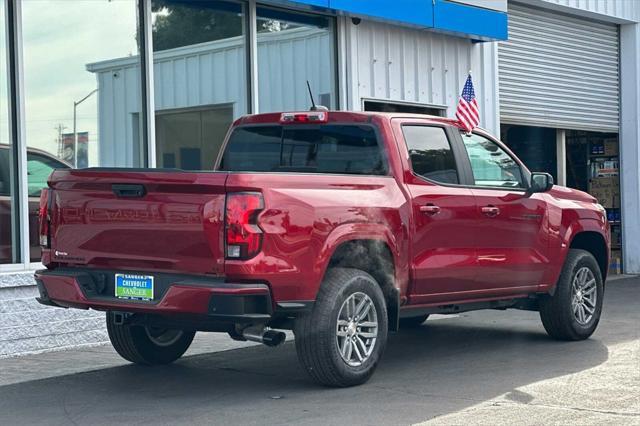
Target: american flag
[(467, 112)]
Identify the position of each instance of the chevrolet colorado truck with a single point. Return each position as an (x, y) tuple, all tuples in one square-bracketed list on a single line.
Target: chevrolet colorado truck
[(340, 226)]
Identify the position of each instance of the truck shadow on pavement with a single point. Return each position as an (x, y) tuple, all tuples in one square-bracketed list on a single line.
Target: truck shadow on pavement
[(439, 368)]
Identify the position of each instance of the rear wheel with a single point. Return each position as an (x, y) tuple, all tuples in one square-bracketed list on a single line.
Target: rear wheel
[(413, 322), (341, 341), (573, 312), (148, 345)]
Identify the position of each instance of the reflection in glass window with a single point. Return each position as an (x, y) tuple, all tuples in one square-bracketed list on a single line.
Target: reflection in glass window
[(294, 48), (490, 164), (39, 167), (200, 78), (96, 75), (430, 153)]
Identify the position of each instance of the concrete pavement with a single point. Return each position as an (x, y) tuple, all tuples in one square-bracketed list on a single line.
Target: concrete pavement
[(489, 367)]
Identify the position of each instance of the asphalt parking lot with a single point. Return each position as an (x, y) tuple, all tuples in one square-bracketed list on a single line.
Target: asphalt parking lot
[(489, 367)]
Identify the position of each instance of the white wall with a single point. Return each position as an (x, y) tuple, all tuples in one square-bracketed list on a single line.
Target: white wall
[(629, 145), (402, 64)]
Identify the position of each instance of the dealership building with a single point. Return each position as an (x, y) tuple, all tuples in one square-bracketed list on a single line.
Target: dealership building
[(156, 83)]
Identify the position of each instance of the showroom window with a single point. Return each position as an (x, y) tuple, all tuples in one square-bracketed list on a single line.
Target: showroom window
[(199, 53), (294, 48), (8, 247), (81, 93)]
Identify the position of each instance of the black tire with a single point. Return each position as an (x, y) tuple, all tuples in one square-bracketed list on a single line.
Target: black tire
[(316, 333), (135, 344), (413, 322), (557, 312)]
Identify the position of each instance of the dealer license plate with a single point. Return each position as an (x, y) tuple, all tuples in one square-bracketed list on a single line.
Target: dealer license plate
[(134, 287)]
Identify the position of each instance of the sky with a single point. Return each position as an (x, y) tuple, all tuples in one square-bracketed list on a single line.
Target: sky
[(59, 38)]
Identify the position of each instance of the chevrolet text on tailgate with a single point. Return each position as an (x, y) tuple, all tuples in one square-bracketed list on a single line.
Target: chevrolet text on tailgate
[(339, 226)]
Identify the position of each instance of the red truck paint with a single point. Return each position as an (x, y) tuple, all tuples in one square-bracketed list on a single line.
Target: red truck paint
[(455, 255)]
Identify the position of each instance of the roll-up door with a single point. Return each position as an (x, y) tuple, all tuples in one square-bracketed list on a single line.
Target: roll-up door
[(559, 71)]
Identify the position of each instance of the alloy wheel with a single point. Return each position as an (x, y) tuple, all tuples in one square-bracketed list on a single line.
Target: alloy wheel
[(584, 295), (356, 329)]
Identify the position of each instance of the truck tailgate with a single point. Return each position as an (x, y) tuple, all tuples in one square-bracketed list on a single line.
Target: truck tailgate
[(139, 219)]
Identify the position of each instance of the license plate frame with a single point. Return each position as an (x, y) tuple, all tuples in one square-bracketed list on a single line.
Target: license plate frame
[(134, 287)]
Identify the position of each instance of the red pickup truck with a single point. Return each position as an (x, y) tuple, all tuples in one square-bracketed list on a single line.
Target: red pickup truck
[(340, 226)]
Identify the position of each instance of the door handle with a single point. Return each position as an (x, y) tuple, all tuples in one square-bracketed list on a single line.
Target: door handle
[(129, 190), (430, 209), (490, 211)]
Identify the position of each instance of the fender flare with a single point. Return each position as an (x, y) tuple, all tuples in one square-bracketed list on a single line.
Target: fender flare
[(369, 231), (566, 239)]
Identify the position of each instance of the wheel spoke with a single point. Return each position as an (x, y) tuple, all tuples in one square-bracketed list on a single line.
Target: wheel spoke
[(588, 309), (368, 335), (345, 346), (583, 277), (362, 345), (358, 354), (359, 306), (368, 324), (363, 308), (343, 323), (581, 312), (588, 291), (341, 333)]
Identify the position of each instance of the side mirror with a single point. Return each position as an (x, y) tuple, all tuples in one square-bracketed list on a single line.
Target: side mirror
[(540, 182)]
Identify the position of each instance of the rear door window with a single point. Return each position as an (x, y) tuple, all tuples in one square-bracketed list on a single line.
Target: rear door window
[(430, 153), (329, 148)]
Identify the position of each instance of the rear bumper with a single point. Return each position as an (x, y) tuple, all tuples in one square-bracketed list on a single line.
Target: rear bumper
[(210, 298)]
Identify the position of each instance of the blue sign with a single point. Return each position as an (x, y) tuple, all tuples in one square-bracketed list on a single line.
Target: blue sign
[(443, 15)]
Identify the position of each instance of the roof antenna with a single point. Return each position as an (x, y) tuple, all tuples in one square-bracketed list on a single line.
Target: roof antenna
[(315, 107)]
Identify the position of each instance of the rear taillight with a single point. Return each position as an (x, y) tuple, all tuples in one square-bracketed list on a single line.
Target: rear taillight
[(44, 219), (243, 236)]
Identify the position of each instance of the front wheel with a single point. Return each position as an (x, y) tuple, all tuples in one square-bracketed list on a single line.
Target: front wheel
[(341, 341), (573, 312), (148, 345)]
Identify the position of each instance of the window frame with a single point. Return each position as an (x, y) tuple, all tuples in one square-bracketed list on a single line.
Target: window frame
[(458, 155)]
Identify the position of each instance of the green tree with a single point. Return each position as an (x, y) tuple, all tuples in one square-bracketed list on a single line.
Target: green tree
[(183, 23)]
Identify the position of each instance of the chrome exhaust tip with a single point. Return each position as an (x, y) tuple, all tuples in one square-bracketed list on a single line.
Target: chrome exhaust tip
[(264, 335)]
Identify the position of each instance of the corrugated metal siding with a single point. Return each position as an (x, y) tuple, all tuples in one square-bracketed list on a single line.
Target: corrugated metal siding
[(559, 71), (402, 64), (621, 9), (286, 63)]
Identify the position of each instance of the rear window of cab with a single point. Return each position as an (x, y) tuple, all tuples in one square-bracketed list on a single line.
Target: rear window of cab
[(317, 148)]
